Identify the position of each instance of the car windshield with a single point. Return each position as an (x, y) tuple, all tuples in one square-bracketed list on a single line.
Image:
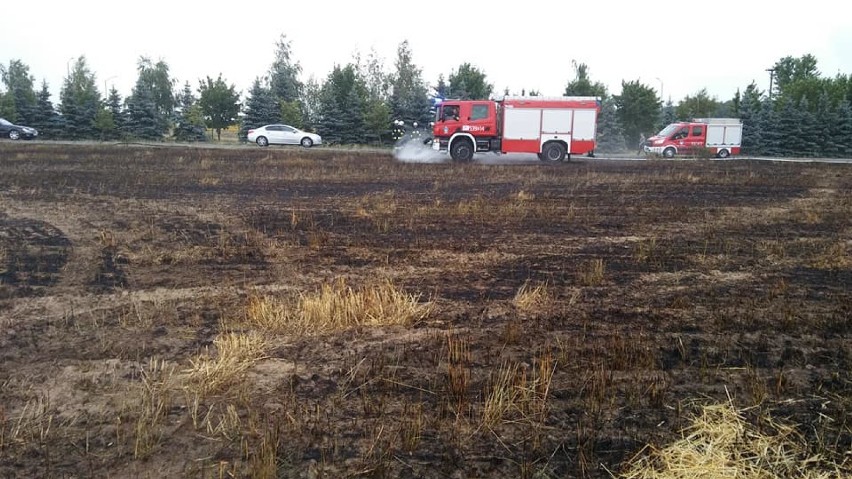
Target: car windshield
[(4, 122), (668, 130)]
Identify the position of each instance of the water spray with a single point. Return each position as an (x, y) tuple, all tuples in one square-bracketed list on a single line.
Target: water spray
[(414, 144)]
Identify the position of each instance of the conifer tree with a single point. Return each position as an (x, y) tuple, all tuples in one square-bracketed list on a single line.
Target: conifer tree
[(668, 115), (284, 73), (261, 107), (342, 110), (809, 144), (142, 115), (770, 130), (189, 122), (311, 104), (150, 105), (749, 114), (824, 117), (609, 136), (45, 119), (80, 102), (842, 129), (119, 115), (409, 100)]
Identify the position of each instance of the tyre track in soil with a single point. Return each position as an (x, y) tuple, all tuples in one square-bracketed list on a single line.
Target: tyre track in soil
[(81, 263), (85, 261)]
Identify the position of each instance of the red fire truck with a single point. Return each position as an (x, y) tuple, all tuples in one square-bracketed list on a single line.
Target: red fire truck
[(553, 128), (719, 136)]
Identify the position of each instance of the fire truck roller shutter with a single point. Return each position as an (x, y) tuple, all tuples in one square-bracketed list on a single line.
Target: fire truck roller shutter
[(584, 124), (522, 130), (555, 128)]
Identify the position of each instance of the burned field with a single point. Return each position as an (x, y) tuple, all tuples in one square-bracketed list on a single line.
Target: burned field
[(179, 312)]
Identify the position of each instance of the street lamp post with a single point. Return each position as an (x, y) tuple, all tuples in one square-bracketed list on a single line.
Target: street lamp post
[(106, 92), (661, 90), (771, 77)]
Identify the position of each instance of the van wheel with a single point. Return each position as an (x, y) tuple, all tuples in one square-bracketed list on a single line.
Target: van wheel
[(553, 152), (723, 154), (669, 152)]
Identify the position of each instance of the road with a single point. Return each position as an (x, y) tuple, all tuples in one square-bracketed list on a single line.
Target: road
[(427, 155)]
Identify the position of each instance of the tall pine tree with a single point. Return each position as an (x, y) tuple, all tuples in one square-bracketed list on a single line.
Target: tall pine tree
[(610, 139), (80, 102), (377, 112), (261, 107), (343, 102), (824, 117), (46, 120), (143, 120), (189, 122), (409, 99), (311, 104), (119, 115), (151, 104), (770, 130), (749, 114), (810, 144), (284, 73), (842, 129)]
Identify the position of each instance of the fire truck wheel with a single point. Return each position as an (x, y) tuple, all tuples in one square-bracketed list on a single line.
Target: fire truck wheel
[(462, 151), (723, 154), (553, 152), (669, 152)]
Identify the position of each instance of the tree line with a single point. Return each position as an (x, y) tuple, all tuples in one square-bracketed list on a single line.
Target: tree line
[(802, 114)]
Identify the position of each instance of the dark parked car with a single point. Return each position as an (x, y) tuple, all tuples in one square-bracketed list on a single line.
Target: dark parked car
[(16, 132)]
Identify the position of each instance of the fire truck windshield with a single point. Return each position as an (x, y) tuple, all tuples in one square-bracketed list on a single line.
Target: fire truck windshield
[(450, 112), (668, 130)]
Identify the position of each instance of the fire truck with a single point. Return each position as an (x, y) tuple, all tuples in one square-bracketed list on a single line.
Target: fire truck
[(551, 127), (721, 137)]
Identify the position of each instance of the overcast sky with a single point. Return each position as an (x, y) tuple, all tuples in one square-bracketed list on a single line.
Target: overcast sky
[(679, 47)]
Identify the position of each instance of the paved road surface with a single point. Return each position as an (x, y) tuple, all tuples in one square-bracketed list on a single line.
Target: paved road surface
[(429, 156)]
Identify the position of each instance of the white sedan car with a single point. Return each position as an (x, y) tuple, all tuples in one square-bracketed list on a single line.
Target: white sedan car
[(283, 135)]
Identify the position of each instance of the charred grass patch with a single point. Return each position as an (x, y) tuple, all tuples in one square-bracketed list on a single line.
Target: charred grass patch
[(247, 312)]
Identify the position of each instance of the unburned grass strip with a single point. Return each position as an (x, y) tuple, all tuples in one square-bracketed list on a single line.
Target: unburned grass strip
[(337, 307)]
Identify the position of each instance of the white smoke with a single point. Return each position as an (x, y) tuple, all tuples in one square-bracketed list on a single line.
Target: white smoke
[(414, 146), (414, 151)]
